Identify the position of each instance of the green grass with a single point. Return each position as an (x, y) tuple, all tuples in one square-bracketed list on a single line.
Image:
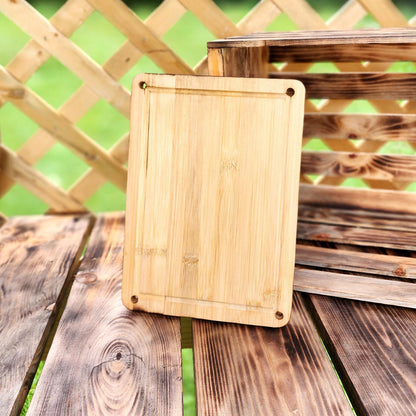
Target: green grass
[(54, 83)]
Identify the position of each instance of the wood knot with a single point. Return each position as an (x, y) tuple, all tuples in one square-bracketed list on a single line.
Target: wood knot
[(320, 236), (190, 260), (17, 93), (86, 278), (400, 271)]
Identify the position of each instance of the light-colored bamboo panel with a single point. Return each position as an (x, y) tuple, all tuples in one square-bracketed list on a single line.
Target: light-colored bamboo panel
[(207, 204)]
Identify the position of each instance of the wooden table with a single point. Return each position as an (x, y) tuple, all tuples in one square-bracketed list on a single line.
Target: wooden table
[(62, 304)]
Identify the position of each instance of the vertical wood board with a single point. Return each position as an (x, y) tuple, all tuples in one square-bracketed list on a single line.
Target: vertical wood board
[(244, 370), (38, 255), (104, 359), (373, 349), (212, 197)]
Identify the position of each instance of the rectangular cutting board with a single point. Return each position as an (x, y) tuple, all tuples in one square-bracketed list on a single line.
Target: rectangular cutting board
[(212, 194)]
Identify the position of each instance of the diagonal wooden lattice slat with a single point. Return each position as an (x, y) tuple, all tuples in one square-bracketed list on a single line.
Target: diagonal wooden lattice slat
[(52, 38)]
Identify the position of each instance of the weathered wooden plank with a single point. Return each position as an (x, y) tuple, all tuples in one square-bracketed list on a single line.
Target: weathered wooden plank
[(345, 260), (245, 370), (370, 289), (404, 240), (38, 256), (363, 165), (358, 198), (385, 127), (374, 349), (355, 85), (317, 38), (357, 218), (106, 359)]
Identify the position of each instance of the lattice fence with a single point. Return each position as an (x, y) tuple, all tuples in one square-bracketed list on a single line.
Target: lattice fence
[(53, 38)]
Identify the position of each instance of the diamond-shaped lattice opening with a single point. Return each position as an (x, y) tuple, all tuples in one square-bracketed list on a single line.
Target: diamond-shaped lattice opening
[(411, 187), (316, 144), (360, 107), (188, 38), (407, 8), (15, 126), (61, 166), (354, 183), (282, 23), (11, 203), (236, 10), (312, 177), (9, 49), (98, 38), (326, 9), (107, 198), (402, 67), (397, 148), (323, 67), (368, 22), (145, 64), (104, 124), (143, 9), (54, 82)]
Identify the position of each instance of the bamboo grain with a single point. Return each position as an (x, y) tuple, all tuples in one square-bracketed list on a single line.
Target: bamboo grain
[(218, 211)]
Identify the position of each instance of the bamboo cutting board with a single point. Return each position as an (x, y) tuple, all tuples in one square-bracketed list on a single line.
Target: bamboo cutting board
[(212, 197)]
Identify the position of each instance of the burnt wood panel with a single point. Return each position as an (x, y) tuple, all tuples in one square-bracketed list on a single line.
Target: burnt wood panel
[(343, 53), (316, 38), (38, 256), (344, 260), (374, 350), (362, 219), (104, 359), (348, 286), (381, 201), (403, 240), (362, 165), (355, 85), (247, 370), (385, 127)]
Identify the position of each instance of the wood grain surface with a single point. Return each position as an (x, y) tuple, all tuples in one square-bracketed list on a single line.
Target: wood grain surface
[(355, 85), (243, 370), (384, 201), (362, 165), (376, 45), (106, 360), (357, 218), (209, 207), (404, 240), (374, 350), (386, 127), (348, 286), (38, 256), (358, 262)]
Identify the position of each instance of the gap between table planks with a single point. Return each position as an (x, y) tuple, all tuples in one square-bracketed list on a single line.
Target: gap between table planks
[(38, 257), (106, 359)]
